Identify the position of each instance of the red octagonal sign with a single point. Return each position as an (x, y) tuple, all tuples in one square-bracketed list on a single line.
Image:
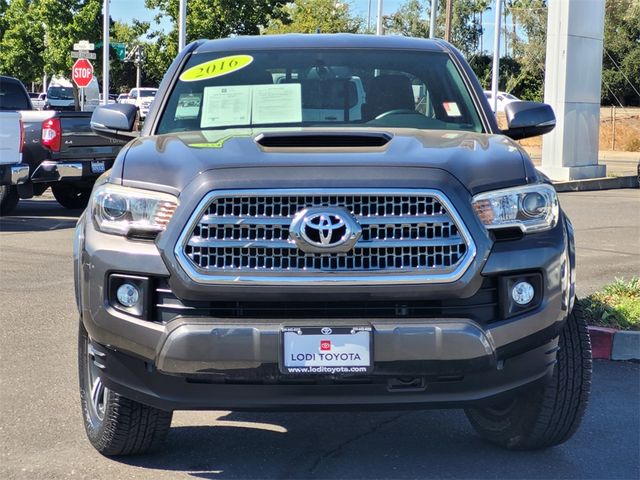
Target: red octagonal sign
[(82, 72)]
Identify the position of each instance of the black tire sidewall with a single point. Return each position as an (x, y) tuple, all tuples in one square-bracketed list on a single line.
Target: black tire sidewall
[(522, 427), (9, 199), (71, 196), (95, 428)]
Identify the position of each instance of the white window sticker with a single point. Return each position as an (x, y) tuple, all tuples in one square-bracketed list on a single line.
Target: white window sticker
[(280, 103), (226, 106), (245, 105), (188, 106), (452, 109)]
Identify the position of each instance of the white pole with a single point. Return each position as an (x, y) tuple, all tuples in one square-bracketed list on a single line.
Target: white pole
[(379, 25), (182, 25), (105, 53), (432, 23), (368, 16), (496, 57), (138, 62)]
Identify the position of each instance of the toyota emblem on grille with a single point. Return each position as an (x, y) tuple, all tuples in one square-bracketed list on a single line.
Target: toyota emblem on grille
[(325, 229)]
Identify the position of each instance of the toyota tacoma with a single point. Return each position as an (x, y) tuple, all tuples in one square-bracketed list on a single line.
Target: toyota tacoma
[(318, 222)]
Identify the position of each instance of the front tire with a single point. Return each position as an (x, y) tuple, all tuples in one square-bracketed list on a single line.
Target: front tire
[(71, 196), (551, 414), (115, 425), (8, 199)]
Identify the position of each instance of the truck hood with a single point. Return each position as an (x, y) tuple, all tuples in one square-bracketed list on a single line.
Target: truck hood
[(170, 162)]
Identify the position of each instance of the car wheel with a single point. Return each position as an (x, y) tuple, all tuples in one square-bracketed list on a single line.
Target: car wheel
[(115, 425), (8, 199), (71, 196), (551, 414)]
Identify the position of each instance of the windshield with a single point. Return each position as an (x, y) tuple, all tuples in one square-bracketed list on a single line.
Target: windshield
[(60, 93), (148, 93), (320, 88)]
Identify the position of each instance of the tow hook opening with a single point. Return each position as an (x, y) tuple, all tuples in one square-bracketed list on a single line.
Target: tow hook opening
[(406, 384)]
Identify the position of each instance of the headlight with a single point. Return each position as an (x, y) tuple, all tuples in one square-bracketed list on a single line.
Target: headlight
[(532, 208), (123, 210)]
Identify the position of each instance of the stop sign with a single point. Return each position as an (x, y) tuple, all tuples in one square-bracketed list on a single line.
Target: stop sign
[(82, 72)]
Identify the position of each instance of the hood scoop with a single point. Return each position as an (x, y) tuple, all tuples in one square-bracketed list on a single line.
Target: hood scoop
[(323, 139)]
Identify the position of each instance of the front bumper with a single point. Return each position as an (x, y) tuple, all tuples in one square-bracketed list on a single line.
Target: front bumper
[(140, 381), (14, 174), (206, 362)]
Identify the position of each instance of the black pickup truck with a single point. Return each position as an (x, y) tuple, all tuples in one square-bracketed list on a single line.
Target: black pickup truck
[(60, 151)]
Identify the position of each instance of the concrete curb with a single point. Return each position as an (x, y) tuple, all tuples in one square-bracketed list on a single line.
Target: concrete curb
[(612, 344), (604, 183)]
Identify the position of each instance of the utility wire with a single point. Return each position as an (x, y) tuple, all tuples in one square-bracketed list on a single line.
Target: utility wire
[(620, 70)]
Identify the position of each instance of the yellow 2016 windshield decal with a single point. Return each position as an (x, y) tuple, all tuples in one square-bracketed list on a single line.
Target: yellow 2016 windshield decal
[(216, 68)]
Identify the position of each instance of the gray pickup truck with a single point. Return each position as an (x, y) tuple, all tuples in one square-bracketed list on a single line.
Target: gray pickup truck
[(317, 222), (59, 151)]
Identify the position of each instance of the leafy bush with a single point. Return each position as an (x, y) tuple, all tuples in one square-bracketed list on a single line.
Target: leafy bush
[(617, 305)]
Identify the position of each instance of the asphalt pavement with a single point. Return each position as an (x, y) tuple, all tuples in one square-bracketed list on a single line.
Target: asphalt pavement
[(42, 437)]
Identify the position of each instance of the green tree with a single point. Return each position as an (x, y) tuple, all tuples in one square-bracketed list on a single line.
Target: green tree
[(310, 16), (621, 56), (65, 23), (22, 41), (4, 6), (530, 49), (410, 20), (205, 19), (122, 75)]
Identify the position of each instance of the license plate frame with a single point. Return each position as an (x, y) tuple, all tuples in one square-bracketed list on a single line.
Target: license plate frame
[(349, 351)]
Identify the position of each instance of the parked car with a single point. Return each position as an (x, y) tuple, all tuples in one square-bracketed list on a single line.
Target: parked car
[(122, 97), (13, 97), (38, 100), (111, 99), (504, 99), (60, 96), (142, 99), (241, 257), (59, 151)]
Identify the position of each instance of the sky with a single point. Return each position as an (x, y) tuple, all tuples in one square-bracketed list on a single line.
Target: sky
[(127, 10)]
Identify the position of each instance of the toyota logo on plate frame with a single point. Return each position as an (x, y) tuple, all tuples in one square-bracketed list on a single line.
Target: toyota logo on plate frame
[(325, 229)]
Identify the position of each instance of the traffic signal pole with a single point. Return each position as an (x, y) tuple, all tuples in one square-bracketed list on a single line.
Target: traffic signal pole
[(105, 53)]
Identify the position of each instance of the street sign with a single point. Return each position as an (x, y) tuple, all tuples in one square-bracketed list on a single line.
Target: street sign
[(83, 45), (83, 54), (82, 72), (120, 48)]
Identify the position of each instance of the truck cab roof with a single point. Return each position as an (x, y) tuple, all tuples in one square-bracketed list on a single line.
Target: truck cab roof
[(321, 40)]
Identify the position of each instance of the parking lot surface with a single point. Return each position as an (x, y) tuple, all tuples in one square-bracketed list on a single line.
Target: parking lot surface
[(42, 437)]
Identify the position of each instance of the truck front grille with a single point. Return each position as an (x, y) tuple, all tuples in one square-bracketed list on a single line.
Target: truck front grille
[(415, 235)]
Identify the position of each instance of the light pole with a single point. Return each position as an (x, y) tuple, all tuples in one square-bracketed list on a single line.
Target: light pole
[(105, 52), (434, 13), (496, 57), (379, 23), (182, 25)]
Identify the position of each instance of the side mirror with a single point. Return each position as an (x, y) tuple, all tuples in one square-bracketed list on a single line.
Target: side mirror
[(528, 119), (115, 121)]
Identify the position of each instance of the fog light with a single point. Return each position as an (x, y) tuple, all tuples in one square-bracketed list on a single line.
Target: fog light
[(128, 295), (522, 293)]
